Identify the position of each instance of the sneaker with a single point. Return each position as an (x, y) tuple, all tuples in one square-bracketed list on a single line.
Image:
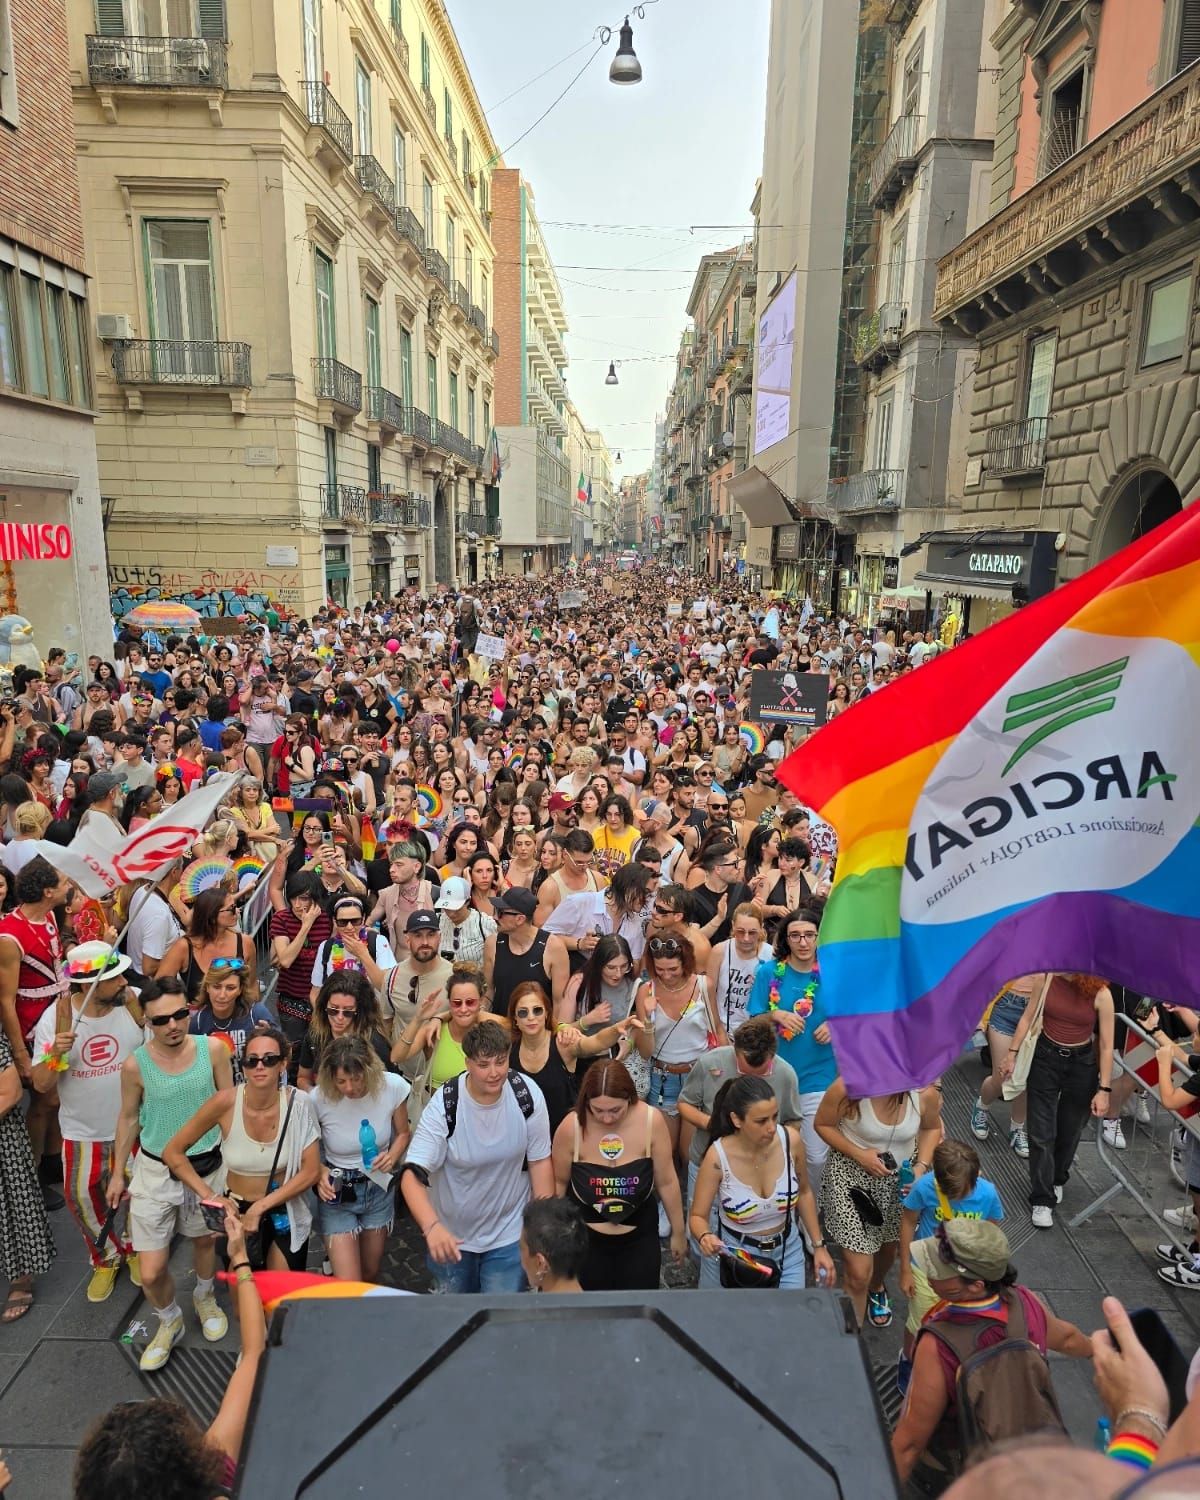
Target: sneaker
[(980, 1125), (158, 1350), (134, 1266), (879, 1308), (1174, 1256), (1139, 1109), (1043, 1217), (1114, 1136), (1058, 1193), (104, 1278), (1182, 1218), (903, 1374), (1185, 1278), (1019, 1141), (1177, 1167), (213, 1322)]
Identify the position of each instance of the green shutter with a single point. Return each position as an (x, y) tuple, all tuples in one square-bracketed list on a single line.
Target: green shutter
[(110, 18), (1189, 35), (212, 20), (449, 116)]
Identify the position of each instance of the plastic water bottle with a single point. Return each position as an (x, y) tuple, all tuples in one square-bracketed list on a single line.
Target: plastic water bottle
[(1103, 1434), (907, 1176), (366, 1139)]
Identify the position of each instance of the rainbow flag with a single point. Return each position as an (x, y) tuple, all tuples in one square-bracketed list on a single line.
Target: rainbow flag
[(1026, 802), (369, 842)]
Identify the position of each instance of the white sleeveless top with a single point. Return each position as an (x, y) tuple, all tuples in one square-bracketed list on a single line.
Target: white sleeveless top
[(741, 1207), (871, 1134), (683, 1040)]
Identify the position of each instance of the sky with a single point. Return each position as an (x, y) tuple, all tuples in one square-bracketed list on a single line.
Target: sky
[(649, 169)]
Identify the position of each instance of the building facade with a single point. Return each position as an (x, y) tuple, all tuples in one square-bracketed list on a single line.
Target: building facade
[(52, 559), (288, 216), (1080, 289)]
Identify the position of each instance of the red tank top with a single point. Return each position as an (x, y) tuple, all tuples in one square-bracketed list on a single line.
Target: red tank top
[(41, 980)]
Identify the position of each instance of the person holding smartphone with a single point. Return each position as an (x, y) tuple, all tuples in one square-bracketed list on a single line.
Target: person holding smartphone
[(353, 945)]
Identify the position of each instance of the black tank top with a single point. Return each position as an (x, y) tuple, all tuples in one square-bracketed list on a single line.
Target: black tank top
[(511, 969), (619, 1194)]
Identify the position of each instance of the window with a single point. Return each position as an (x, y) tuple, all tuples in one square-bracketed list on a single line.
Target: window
[(1164, 335), (43, 329), (450, 241), (427, 210), (483, 294), (469, 270), (310, 25), (1040, 386), (374, 469), (426, 68), (487, 417), (399, 175), (331, 465), (182, 298), (371, 341), (1063, 123), (56, 337), (883, 433), (1188, 47), (10, 369), (910, 103), (77, 343), (33, 342), (895, 269), (326, 319), (406, 367), (362, 108), (432, 385), (454, 400), (395, 14), (448, 115), (466, 152), (471, 414), (8, 78)]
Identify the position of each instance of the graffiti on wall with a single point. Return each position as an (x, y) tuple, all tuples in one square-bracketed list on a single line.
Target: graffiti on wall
[(211, 592)]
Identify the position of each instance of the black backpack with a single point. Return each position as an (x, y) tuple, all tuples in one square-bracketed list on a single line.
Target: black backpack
[(1002, 1391), (516, 1082)]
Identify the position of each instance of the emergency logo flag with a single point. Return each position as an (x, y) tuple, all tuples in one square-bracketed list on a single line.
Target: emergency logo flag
[(1026, 802)]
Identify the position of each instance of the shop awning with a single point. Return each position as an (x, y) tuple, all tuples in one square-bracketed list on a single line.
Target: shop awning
[(966, 588), (763, 501)]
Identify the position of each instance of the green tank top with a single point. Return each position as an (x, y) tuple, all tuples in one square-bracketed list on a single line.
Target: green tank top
[(448, 1060), (169, 1100)]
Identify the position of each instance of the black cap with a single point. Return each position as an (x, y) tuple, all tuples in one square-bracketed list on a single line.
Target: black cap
[(519, 899), (423, 921)]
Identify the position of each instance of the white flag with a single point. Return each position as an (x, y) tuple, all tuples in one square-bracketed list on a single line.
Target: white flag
[(101, 858), (806, 613)]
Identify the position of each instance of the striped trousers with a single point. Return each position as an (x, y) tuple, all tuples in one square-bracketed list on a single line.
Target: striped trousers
[(86, 1169)]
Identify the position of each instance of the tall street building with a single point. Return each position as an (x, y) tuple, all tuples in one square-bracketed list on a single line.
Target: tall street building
[(52, 566), (289, 224)]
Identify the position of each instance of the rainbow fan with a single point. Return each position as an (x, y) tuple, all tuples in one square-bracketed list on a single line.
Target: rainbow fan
[(247, 869), (429, 800), (753, 738), (202, 875)]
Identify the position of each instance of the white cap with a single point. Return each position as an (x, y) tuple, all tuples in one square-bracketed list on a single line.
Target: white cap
[(455, 893)]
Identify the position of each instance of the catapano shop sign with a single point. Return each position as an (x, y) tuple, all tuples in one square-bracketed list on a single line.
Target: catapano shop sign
[(997, 559), (35, 542)]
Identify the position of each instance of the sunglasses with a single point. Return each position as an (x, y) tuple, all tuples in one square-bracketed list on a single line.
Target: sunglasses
[(233, 965), (528, 1014), (342, 1010), (263, 1060), (351, 921), (664, 911), (176, 1015), (464, 1004), (665, 948)]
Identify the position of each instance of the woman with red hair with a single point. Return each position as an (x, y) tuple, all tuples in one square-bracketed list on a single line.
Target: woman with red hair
[(1070, 1077)]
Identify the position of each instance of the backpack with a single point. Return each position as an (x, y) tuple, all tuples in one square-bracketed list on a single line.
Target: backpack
[(1002, 1391), (516, 1082)]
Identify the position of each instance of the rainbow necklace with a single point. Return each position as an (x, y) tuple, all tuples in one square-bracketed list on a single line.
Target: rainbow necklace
[(804, 1005)]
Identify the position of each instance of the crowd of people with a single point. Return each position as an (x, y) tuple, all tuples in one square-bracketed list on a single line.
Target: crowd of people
[(539, 970)]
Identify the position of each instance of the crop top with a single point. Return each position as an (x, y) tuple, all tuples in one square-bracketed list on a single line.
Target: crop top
[(611, 1194), (244, 1155)]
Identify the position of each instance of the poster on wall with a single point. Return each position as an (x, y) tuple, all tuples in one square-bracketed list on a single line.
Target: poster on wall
[(788, 698), (773, 389)]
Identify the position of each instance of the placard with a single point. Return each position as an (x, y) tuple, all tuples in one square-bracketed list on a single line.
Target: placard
[(788, 698), (700, 609), (674, 609), (571, 599), (491, 646)]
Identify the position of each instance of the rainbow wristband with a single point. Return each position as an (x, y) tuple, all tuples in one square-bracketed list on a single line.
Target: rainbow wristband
[(55, 1061), (1133, 1449)]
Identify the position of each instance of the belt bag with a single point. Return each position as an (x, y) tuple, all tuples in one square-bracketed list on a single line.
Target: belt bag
[(203, 1165)]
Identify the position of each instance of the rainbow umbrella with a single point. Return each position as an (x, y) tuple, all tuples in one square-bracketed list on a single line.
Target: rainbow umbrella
[(163, 614)]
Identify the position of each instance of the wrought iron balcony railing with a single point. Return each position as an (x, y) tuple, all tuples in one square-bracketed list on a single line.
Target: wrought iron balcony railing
[(1015, 448), (344, 502), (412, 513), (385, 408), (495, 342), (879, 336), (182, 362), (408, 227), (338, 383), (158, 62), (878, 489), (400, 43), (430, 106), (374, 180), (414, 423), (461, 298), (895, 161), (323, 109), (436, 265)]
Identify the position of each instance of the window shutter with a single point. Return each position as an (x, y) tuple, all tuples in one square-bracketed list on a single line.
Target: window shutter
[(110, 18), (212, 20), (1189, 35)]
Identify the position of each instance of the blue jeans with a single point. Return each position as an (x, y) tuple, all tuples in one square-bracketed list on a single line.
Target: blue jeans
[(496, 1270), (710, 1265)]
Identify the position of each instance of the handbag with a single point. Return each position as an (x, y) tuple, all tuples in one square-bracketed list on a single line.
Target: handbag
[(1015, 1083), (739, 1275)]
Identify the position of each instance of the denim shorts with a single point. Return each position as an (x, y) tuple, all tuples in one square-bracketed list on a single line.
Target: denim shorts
[(373, 1207), (665, 1089), (1007, 1012)]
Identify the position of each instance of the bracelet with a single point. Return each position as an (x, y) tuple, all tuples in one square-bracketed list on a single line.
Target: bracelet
[(1133, 1449), (1104, 1088), (1146, 1416), (425, 1233), (1014, 1049), (244, 1276), (818, 1244), (240, 1264)]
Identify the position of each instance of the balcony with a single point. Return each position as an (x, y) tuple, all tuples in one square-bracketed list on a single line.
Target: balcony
[(1015, 449), (408, 227), (204, 363), (879, 489), (451, 151), (416, 425), (339, 385), (479, 322), (333, 137), (437, 266), (461, 298), (385, 408), (896, 160), (344, 502), (412, 513), (400, 45), (157, 62), (430, 106), (494, 341), (1126, 189), (481, 523), (381, 507), (376, 183), (877, 339)]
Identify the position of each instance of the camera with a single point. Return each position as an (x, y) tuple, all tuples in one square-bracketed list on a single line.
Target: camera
[(889, 1161)]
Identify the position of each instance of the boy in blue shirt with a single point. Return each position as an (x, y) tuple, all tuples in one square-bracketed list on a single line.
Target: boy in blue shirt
[(953, 1190)]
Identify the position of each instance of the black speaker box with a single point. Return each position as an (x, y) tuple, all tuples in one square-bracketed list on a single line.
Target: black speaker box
[(672, 1396)]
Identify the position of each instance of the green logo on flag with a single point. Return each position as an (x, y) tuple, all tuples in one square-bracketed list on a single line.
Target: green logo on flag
[(1062, 703)]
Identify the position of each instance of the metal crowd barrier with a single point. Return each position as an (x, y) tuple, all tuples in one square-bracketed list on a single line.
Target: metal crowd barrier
[(1146, 1157), (255, 922)]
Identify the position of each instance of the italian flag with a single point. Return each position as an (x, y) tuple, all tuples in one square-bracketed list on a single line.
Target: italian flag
[(581, 489)]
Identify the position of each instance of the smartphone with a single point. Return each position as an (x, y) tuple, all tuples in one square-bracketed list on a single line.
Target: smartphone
[(1143, 1008), (327, 837), (1159, 1343), (213, 1213), (889, 1161)]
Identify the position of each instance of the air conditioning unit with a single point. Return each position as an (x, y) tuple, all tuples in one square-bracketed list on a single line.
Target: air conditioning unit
[(190, 55), (113, 327)]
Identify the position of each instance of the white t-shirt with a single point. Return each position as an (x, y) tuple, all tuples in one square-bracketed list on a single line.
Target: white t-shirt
[(153, 927), (340, 1120), (477, 1179), (90, 1093), (384, 957)]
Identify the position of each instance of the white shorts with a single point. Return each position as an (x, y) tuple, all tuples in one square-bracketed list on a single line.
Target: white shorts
[(160, 1207)]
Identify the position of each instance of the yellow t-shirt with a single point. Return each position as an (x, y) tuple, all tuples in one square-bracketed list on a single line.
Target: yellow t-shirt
[(612, 850)]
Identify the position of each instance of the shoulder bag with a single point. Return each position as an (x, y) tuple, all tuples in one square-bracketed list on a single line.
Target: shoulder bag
[(1015, 1083)]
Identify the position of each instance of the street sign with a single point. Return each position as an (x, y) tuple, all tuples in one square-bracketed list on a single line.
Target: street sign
[(788, 698)]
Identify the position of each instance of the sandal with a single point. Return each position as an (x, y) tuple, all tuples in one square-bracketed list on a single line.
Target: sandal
[(20, 1300), (879, 1308)]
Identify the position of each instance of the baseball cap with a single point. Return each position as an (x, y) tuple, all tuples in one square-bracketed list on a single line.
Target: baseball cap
[(102, 783), (974, 1248), (455, 893), (560, 802), (422, 921), (652, 808), (518, 900)]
